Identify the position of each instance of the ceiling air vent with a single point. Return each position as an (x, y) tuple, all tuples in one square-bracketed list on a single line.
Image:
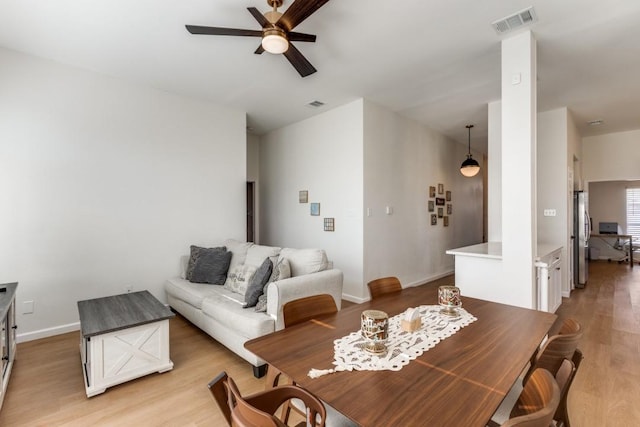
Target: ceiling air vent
[(513, 22), (315, 104)]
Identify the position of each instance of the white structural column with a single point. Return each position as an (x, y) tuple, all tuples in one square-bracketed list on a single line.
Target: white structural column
[(519, 168), (494, 172)]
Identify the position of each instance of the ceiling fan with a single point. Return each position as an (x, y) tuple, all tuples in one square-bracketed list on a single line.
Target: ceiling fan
[(276, 31)]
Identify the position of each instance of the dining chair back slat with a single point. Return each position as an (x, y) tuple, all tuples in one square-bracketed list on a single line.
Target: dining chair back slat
[(303, 309), (537, 403), (258, 408), (383, 286)]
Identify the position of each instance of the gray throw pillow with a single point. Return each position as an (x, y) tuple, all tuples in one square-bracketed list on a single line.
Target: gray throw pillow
[(208, 265), (257, 282), (261, 305)]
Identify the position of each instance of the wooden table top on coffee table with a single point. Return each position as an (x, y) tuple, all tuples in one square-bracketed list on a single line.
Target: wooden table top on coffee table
[(113, 313), (459, 382)]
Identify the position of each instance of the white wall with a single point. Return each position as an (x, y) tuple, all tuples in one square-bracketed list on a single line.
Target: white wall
[(608, 203), (253, 174), (494, 173), (553, 188), (519, 111), (322, 155), (105, 184), (357, 157), (610, 157), (402, 159)]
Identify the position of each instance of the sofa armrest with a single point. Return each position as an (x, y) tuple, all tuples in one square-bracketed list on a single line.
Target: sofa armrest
[(283, 291)]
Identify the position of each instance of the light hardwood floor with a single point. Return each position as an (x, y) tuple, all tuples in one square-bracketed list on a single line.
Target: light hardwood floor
[(46, 387)]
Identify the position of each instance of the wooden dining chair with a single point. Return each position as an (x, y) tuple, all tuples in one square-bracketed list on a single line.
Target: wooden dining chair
[(537, 403), (557, 348), (383, 286), (294, 312), (303, 309), (564, 378), (258, 408)]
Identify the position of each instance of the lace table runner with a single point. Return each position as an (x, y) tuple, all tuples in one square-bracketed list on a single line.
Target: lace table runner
[(402, 346)]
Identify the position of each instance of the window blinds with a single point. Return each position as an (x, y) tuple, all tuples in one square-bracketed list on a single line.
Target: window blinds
[(633, 212)]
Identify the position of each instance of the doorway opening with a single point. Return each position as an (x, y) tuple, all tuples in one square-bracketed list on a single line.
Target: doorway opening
[(250, 211)]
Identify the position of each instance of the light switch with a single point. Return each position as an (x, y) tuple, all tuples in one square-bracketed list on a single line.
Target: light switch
[(515, 79), (27, 307)]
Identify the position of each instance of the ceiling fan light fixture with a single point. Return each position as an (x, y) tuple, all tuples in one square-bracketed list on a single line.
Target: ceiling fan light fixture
[(274, 41), (470, 167)]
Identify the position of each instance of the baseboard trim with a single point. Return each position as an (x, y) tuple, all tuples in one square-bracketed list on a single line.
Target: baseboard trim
[(423, 281), (48, 332), (430, 278)]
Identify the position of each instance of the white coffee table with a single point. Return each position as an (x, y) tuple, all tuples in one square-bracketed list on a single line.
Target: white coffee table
[(123, 337)]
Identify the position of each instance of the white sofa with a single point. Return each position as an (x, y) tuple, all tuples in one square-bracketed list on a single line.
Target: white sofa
[(220, 313)]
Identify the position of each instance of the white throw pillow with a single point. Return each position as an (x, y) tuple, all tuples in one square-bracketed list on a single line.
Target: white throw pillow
[(238, 278), (257, 253), (305, 261), (281, 270), (239, 254)]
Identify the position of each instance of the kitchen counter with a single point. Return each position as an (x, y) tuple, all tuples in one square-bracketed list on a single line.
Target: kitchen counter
[(494, 250), (545, 249), (482, 250), (480, 273)]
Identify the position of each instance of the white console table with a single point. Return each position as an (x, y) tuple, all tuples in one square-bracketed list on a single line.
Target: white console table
[(123, 337)]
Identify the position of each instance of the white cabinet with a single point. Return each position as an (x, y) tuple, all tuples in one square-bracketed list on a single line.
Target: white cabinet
[(7, 333), (549, 280)]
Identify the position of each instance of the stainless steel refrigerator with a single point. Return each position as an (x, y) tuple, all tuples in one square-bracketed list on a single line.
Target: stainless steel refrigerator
[(581, 235)]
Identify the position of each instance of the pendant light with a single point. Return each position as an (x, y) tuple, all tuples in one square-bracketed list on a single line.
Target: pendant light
[(469, 167)]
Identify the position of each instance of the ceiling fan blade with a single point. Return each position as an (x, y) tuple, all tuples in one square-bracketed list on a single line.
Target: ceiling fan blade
[(217, 31), (259, 50), (301, 37), (298, 12), (259, 17), (298, 61)]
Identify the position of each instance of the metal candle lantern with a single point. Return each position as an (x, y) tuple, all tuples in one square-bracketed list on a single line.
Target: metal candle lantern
[(449, 300), (374, 328)]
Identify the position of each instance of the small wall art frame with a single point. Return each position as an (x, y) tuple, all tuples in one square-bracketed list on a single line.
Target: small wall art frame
[(449, 209), (303, 196), (431, 206), (329, 224), (434, 219), (440, 212), (448, 196), (445, 221), (439, 201), (432, 191), (440, 188), (314, 210)]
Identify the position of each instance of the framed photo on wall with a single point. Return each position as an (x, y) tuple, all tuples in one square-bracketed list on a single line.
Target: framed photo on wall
[(303, 196), (439, 201), (440, 188), (448, 196), (449, 209), (431, 206), (315, 209), (445, 221), (432, 191), (434, 219), (440, 212), (329, 224)]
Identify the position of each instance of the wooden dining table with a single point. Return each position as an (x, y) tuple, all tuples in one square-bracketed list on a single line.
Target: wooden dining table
[(459, 382)]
